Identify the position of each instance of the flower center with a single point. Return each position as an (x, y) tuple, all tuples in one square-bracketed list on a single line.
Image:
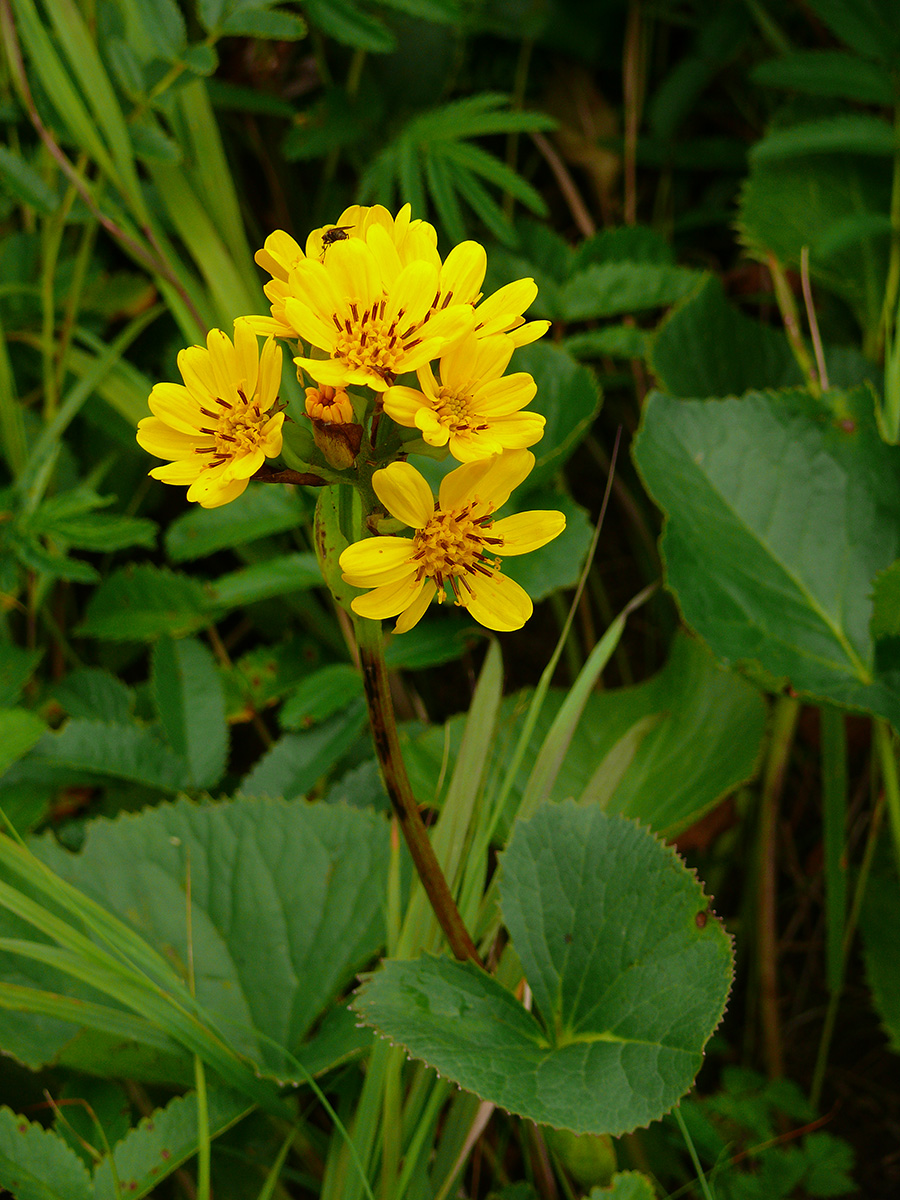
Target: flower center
[(237, 429), (453, 411), (368, 342), (454, 546)]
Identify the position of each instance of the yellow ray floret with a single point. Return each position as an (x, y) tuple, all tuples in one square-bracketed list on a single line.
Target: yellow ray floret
[(218, 428), (372, 327), (396, 243), (473, 409), (455, 546), (410, 240)]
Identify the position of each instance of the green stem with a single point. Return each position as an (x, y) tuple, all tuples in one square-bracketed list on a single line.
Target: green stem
[(834, 799), (862, 879), (396, 782), (790, 316), (784, 721), (689, 1142), (884, 740)]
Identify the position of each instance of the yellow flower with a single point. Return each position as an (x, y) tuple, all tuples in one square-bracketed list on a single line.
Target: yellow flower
[(472, 407), (328, 405), (397, 242), (218, 428), (462, 275), (369, 312), (281, 253), (455, 544)]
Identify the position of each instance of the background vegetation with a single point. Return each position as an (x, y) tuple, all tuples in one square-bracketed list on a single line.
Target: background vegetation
[(709, 199)]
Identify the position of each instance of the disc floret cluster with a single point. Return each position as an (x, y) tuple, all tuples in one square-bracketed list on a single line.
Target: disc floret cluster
[(400, 355)]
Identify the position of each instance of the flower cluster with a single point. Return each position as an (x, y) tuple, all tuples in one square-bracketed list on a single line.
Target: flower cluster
[(374, 302)]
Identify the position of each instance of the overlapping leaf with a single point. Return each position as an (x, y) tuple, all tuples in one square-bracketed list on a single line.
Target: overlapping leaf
[(627, 981), (780, 512)]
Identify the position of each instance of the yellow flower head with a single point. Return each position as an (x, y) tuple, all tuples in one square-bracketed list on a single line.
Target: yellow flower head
[(455, 546), (472, 408), (462, 275), (217, 429), (369, 312), (329, 405), (281, 253)]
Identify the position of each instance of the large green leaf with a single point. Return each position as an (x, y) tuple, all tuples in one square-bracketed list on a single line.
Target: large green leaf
[(273, 577), (628, 982), (828, 73), (298, 760), (706, 347), (144, 601), (664, 751), (36, 1164), (780, 512), (190, 701), (89, 751), (611, 288), (259, 512), (285, 905)]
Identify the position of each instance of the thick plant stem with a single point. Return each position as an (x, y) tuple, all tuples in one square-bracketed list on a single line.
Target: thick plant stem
[(784, 721), (396, 781)]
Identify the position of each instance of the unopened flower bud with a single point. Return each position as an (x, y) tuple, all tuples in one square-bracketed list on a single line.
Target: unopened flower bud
[(329, 405)]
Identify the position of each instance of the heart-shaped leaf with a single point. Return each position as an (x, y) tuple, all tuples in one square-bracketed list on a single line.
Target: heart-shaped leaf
[(628, 969)]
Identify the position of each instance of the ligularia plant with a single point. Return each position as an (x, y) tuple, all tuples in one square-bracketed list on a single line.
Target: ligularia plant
[(400, 356), (374, 302)]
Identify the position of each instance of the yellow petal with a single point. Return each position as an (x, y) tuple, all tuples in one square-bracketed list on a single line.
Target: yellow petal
[(197, 373), (309, 324), (159, 438), (402, 403), (463, 273), (468, 447), (224, 364), (414, 613), (413, 293), (386, 255), (507, 304), (176, 406), (417, 356), (389, 600), (404, 493), (182, 472), (518, 430), (212, 491), (498, 603), (354, 273), (311, 283), (433, 431), (246, 353), (506, 395), (270, 364), (473, 361), (374, 557), (490, 482), (329, 371), (523, 335), (279, 254), (247, 464), (526, 531), (272, 437), (271, 327)]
